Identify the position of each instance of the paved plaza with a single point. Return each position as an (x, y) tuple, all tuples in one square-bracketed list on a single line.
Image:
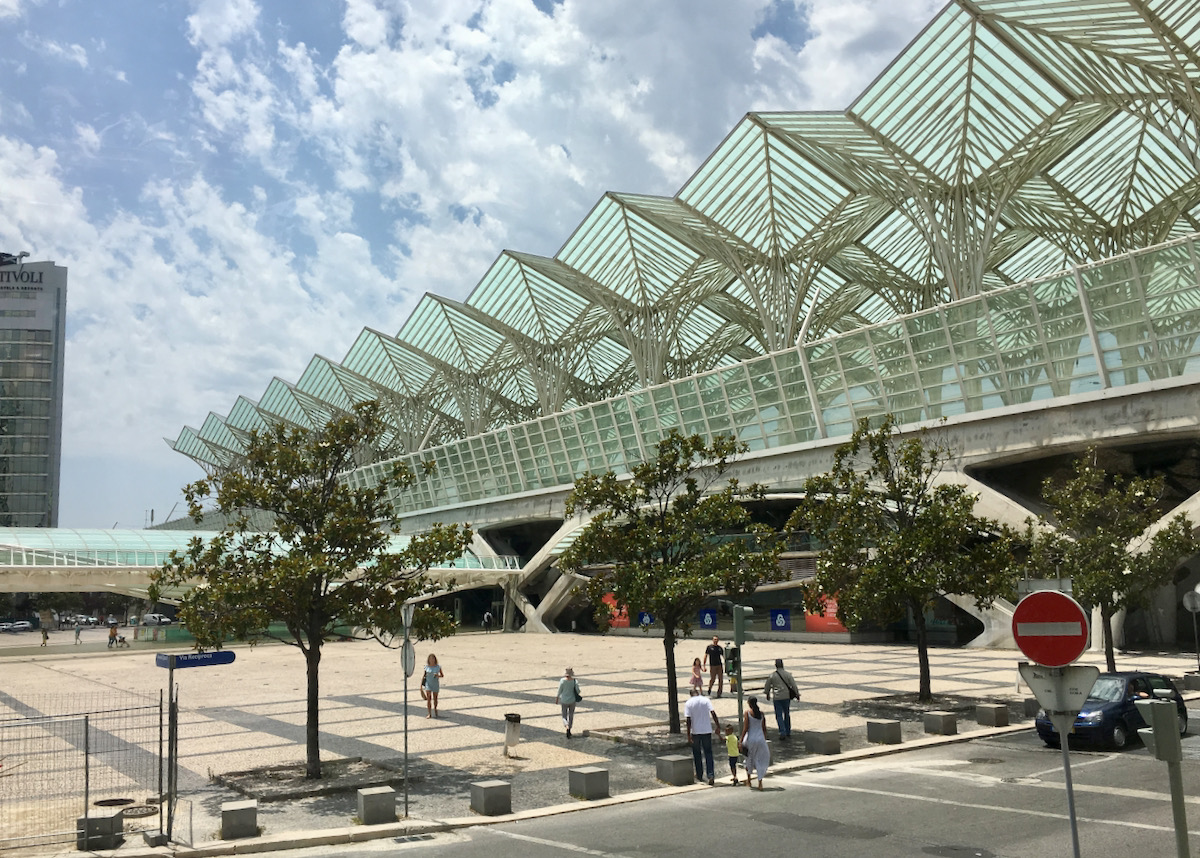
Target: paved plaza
[(251, 713)]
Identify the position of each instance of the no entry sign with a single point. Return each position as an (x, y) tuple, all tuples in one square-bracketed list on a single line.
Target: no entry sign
[(1050, 628)]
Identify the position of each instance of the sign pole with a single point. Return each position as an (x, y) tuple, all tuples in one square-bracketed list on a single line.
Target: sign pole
[(408, 662)]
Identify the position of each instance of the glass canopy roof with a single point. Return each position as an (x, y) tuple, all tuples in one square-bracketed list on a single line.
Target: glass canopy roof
[(1010, 140)]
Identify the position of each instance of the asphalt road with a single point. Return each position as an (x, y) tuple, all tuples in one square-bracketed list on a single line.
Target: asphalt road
[(994, 798)]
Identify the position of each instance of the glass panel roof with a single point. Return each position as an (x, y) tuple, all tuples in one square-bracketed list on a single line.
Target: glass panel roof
[(1011, 138)]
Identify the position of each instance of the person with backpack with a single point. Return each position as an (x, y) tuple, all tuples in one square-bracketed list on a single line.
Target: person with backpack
[(781, 690)]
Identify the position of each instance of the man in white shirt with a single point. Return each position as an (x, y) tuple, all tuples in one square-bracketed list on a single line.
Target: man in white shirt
[(700, 716)]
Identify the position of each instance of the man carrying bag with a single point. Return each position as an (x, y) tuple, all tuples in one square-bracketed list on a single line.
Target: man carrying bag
[(781, 690)]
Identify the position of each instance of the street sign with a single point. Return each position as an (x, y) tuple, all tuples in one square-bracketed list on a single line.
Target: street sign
[(1050, 628), (1191, 601), (408, 657), (645, 618), (1060, 689), (194, 659), (781, 620), (708, 619)]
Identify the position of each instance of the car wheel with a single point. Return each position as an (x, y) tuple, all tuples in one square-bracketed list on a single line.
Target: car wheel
[(1182, 723), (1120, 735), (1052, 743)]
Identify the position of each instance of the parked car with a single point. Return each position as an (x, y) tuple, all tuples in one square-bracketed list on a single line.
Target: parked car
[(156, 620), (1109, 716), (22, 626), (85, 620), (5, 627)]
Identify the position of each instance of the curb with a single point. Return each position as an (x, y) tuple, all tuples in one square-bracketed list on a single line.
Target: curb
[(360, 833)]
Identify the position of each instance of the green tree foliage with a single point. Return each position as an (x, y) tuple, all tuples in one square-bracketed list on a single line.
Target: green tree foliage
[(892, 536), (1103, 542), (325, 570), (670, 537)]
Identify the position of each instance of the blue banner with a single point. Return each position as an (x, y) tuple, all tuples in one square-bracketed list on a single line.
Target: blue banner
[(708, 618), (645, 618), (781, 620)]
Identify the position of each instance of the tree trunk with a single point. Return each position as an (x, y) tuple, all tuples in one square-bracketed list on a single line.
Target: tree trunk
[(672, 681), (312, 730), (925, 689), (1106, 626)]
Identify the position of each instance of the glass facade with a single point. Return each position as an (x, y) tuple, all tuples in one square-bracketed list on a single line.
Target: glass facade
[(32, 313)]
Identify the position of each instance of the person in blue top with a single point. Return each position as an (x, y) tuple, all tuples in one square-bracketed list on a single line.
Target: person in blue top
[(433, 673), (568, 695)]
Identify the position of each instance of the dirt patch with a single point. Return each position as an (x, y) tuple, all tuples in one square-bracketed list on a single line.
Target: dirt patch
[(277, 783), (653, 737)]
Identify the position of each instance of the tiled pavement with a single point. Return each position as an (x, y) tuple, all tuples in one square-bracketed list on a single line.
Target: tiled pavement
[(251, 713)]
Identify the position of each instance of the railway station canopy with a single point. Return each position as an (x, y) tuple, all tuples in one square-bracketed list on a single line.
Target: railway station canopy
[(1005, 215)]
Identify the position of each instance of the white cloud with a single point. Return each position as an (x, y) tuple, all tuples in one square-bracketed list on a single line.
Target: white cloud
[(10, 9), (217, 22)]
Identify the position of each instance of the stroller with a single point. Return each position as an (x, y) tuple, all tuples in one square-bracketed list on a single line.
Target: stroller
[(121, 642)]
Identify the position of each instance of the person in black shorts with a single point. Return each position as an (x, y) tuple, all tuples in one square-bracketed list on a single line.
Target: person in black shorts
[(712, 660)]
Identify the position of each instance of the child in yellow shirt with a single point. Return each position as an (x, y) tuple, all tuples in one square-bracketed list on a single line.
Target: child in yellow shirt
[(731, 745)]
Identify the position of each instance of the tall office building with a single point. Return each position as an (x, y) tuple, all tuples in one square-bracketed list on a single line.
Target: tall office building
[(33, 309)]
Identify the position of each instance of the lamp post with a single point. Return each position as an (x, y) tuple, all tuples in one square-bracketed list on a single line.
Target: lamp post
[(408, 660)]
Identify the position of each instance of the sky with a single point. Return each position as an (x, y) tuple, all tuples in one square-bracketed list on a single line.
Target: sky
[(237, 185)]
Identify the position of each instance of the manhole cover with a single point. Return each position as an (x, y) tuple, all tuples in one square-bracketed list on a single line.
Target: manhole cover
[(113, 802), (985, 761), (135, 810)]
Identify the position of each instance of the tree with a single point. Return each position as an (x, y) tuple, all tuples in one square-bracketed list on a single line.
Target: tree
[(325, 569), (670, 537), (892, 537), (1102, 539)]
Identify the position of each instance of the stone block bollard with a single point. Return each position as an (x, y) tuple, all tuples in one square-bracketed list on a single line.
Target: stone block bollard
[(823, 741), (884, 732), (588, 782), (1191, 682), (102, 828), (239, 819), (377, 805), (1031, 707), (941, 723), (675, 769), (991, 715), (491, 798)]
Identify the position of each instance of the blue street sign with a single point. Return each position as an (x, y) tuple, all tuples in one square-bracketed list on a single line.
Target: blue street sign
[(708, 619), (645, 618), (194, 659), (781, 620)]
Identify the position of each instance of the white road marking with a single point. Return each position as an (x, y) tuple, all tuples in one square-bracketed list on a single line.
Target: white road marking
[(1045, 814), (557, 844), (1074, 765)]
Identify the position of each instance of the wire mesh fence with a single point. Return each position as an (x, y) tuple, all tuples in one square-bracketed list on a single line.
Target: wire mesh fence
[(63, 757)]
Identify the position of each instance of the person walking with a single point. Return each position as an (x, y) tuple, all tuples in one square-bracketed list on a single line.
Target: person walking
[(568, 695), (713, 656), (697, 680), (781, 690), (734, 749), (112, 635), (487, 622), (45, 636), (700, 716), (77, 632), (432, 685), (754, 741)]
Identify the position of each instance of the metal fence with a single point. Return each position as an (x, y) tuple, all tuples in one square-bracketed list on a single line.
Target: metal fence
[(62, 757)]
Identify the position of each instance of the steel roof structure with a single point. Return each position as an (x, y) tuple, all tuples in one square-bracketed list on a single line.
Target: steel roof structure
[(912, 236)]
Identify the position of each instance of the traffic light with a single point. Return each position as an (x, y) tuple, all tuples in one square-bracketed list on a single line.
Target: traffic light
[(741, 619), (733, 661)]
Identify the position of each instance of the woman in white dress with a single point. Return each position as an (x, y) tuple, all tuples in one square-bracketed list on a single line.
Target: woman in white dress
[(754, 740)]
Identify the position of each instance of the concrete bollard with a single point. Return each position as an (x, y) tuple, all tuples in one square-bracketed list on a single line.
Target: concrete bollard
[(823, 741), (675, 769), (941, 723), (1031, 707), (491, 798), (102, 828), (1191, 682), (884, 732), (588, 782), (377, 805), (991, 715), (239, 819)]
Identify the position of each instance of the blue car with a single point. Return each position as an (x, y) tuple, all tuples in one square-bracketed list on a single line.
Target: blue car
[(1109, 716)]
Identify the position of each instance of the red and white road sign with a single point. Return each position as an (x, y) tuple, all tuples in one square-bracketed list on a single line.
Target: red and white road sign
[(1051, 628)]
